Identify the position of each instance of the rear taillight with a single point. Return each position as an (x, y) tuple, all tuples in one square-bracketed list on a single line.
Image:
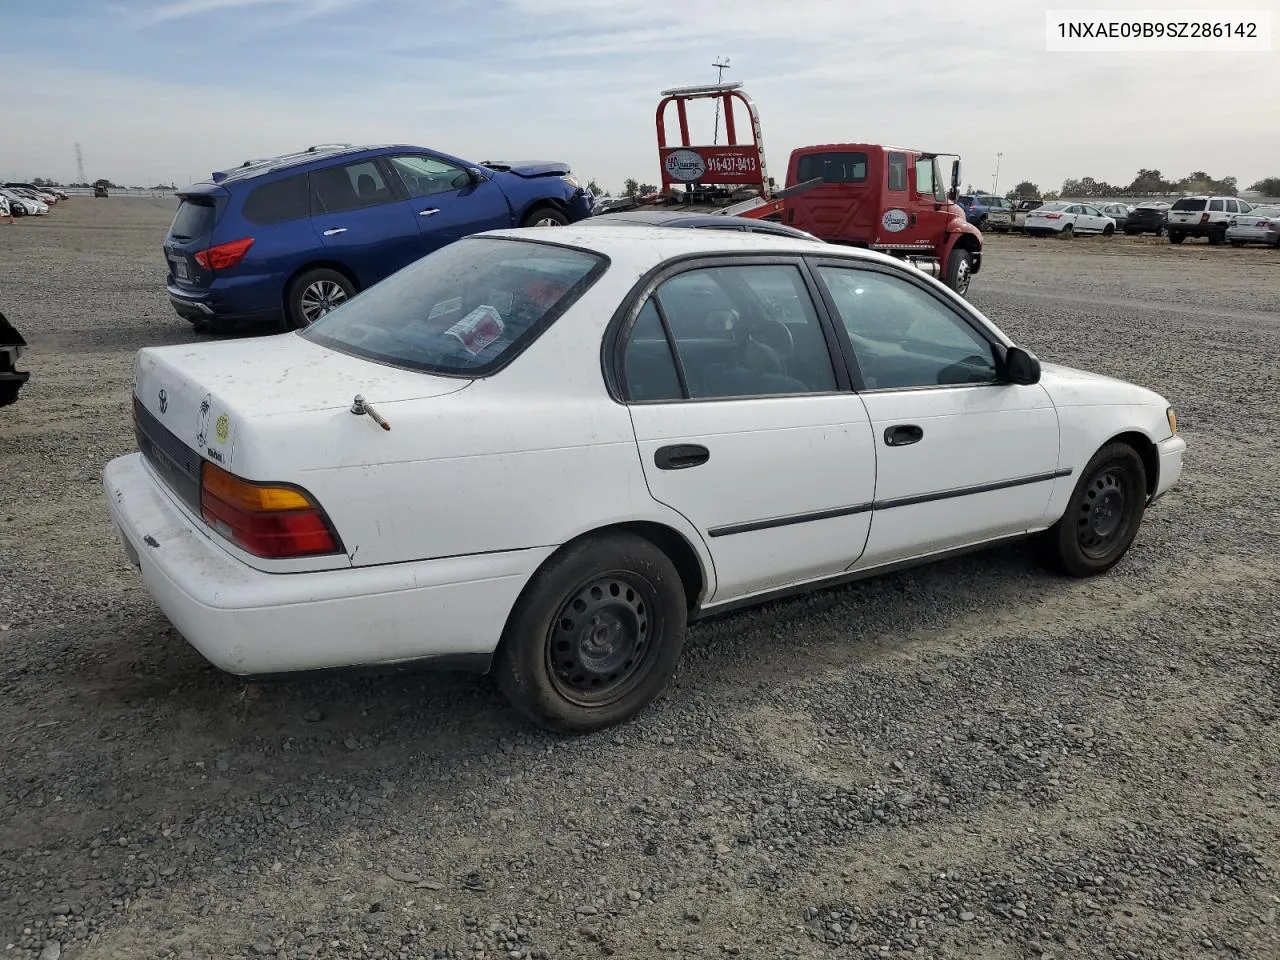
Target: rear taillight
[(1204, 218), (265, 519), (225, 255), (1053, 216)]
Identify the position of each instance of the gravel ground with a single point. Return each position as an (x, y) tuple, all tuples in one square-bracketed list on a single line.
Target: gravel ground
[(975, 759)]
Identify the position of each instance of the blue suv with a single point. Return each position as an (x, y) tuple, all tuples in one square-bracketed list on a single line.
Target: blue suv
[(288, 239)]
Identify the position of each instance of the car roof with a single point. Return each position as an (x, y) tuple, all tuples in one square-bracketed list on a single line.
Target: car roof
[(681, 218), (315, 154), (641, 247)]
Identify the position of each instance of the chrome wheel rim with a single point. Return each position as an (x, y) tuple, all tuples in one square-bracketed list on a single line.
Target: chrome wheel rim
[(321, 297), (602, 641), (547, 222), (963, 274)]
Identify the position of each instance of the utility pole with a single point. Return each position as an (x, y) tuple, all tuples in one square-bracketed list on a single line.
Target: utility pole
[(80, 163), (995, 178), (721, 64)]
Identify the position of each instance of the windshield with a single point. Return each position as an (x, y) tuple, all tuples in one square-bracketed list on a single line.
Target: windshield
[(465, 310), (1189, 203)]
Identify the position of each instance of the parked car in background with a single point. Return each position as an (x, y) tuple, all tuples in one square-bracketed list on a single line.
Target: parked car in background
[(45, 191), (1119, 212), (33, 194), (578, 463), (1203, 217), (12, 346), (289, 238), (1020, 210), (1260, 225), (983, 211), (20, 205), (4, 207), (1149, 217), (1066, 219), (100, 188), (704, 221)]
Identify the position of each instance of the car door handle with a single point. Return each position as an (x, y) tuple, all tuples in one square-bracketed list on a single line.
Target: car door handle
[(681, 456), (335, 231), (903, 434), (430, 211)]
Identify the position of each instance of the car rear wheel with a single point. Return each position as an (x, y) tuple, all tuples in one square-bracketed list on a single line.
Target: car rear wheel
[(314, 293), (1108, 230), (595, 636), (1067, 232), (545, 217), (959, 271), (1176, 237), (1102, 516)]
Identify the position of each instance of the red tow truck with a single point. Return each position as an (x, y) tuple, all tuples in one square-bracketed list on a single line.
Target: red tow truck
[(891, 199)]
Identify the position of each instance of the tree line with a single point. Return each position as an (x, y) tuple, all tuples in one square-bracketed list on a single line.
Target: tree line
[(1148, 183)]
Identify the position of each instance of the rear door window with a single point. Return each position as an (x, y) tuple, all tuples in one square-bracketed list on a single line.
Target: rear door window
[(1189, 203), (837, 167), (350, 186), (278, 202), (1215, 205)]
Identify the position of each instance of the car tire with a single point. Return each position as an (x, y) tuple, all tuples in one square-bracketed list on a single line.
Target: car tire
[(1176, 237), (1067, 232), (1237, 243), (1216, 237), (1108, 230), (1160, 231), (1103, 515), (545, 217), (313, 294), (1131, 233), (563, 658), (959, 271)]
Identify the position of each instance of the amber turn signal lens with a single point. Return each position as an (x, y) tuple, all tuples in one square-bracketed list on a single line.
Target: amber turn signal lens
[(259, 497), (1173, 421)]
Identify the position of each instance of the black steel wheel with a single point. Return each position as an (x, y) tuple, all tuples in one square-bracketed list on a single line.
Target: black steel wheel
[(1103, 515), (595, 635)]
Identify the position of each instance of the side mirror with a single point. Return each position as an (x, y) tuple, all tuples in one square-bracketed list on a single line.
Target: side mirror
[(475, 176), (1021, 366), (955, 175), (951, 194)]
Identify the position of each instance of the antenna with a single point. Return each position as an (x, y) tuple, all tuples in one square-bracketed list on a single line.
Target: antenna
[(721, 64), (80, 163)]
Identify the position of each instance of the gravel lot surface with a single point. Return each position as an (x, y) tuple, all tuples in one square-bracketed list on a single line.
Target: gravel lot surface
[(975, 759)]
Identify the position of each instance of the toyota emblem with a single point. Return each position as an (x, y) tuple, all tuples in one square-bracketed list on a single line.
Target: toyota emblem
[(164, 400)]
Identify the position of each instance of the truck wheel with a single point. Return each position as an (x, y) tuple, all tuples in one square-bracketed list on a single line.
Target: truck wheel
[(959, 271), (1176, 237), (544, 217)]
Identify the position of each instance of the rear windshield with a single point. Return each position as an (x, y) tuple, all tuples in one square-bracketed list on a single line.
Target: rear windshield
[(465, 310), (833, 167), (1053, 206), (194, 219), (1153, 206), (1189, 203)]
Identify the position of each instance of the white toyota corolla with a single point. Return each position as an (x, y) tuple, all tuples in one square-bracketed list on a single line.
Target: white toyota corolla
[(543, 453)]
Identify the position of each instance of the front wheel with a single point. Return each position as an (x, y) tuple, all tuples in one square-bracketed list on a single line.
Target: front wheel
[(1108, 230), (959, 271), (545, 217), (315, 293), (595, 636), (1103, 515)]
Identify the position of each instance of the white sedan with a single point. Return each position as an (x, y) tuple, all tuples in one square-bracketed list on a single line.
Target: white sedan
[(20, 205), (543, 456), (1066, 219), (1259, 225)]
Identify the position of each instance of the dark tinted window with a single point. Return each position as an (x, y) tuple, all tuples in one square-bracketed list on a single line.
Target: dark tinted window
[(280, 201), (1189, 203), (1215, 204), (349, 187), (902, 336), (465, 309), (195, 218), (747, 331), (834, 167), (648, 367), (897, 171)]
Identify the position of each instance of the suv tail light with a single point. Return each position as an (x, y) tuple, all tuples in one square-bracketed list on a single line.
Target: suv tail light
[(225, 255), (1204, 218), (275, 520)]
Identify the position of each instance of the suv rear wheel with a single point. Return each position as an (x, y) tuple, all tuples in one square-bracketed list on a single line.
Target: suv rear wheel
[(313, 294), (1176, 236)]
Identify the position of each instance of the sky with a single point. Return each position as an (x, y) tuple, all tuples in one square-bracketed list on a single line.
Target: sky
[(170, 90)]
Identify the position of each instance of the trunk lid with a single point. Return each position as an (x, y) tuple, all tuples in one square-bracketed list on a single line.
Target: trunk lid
[(192, 230), (202, 395)]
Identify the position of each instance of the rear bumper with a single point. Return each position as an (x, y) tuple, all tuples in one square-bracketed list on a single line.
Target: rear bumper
[(212, 306), (1195, 229), (251, 623)]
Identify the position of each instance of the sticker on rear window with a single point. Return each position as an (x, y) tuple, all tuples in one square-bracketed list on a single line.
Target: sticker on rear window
[(478, 329)]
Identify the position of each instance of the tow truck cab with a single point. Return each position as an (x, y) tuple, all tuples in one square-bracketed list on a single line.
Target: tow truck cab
[(890, 199)]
